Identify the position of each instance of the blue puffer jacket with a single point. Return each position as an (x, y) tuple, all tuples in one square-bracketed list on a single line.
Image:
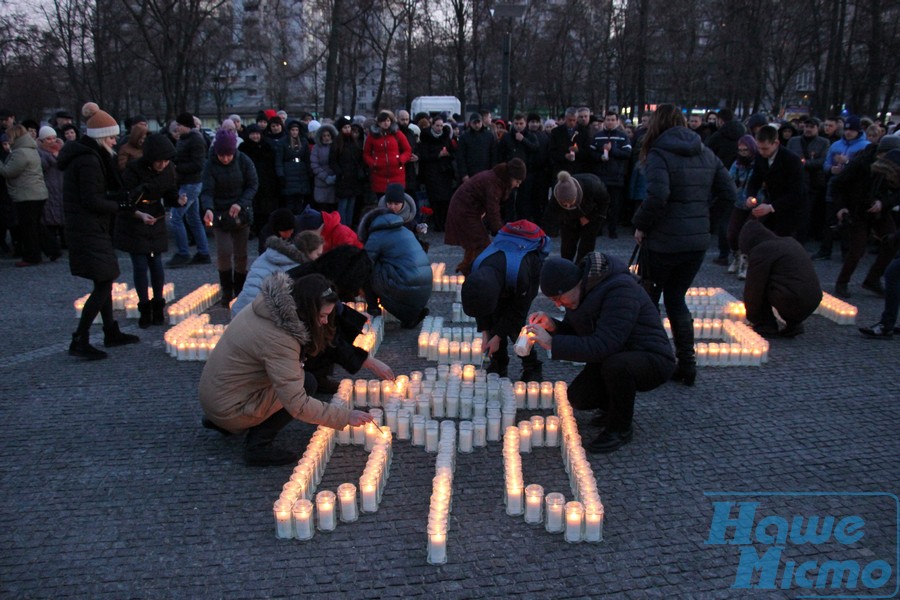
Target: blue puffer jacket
[(614, 315), (280, 255), (402, 274), (684, 178)]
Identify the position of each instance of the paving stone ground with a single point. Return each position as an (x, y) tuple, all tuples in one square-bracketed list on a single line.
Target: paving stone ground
[(111, 489)]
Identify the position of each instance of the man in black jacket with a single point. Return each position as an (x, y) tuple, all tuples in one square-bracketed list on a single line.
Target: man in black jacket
[(777, 184), (190, 156), (610, 155), (611, 325), (477, 149)]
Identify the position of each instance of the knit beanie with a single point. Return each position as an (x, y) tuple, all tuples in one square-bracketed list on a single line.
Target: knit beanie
[(480, 292), (313, 126), (281, 219), (46, 132), (310, 218), (101, 125), (225, 143), (558, 276), (853, 123), (566, 191), (185, 119), (158, 147), (394, 193), (516, 169), (886, 144)]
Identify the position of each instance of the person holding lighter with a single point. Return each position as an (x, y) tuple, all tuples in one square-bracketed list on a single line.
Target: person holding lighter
[(611, 325)]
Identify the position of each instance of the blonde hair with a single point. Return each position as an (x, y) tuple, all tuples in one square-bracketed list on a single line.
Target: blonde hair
[(16, 131), (307, 241)]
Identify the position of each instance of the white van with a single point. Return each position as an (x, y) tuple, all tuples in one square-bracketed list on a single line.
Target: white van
[(433, 104)]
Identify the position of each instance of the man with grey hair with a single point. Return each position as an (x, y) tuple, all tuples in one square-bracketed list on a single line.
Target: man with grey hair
[(567, 149)]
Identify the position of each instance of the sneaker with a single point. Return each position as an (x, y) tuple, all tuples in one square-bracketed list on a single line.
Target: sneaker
[(873, 286), (841, 290), (742, 267), (733, 263), (179, 260), (201, 259), (878, 332)]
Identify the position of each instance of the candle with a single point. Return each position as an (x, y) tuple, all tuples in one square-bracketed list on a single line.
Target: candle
[(593, 523), (372, 435), (534, 395), (465, 436), (282, 512), (537, 431), (551, 431), (468, 373), (493, 426), (524, 437), (418, 430), (359, 398), (423, 345), (465, 351), (431, 436), (574, 519), (343, 436), (479, 425), (368, 489), (302, 511), (359, 435), (546, 395), (514, 498), (534, 502), (325, 509), (347, 495), (520, 388), (402, 424), (423, 405), (553, 507), (437, 547)]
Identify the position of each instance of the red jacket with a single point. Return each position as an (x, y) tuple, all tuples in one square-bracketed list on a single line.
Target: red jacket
[(337, 234), (386, 154)]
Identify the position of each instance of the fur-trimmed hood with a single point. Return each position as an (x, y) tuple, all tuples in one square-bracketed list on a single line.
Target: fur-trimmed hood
[(408, 212), (276, 303), (377, 131), (287, 248), (317, 136), (377, 219)]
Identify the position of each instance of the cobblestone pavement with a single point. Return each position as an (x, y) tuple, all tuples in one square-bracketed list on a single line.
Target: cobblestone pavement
[(111, 489)]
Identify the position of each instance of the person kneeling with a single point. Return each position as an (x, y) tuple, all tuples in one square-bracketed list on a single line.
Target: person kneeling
[(612, 325), (254, 379)]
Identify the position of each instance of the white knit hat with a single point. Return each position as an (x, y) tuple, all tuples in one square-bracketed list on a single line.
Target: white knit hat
[(101, 125), (46, 132)]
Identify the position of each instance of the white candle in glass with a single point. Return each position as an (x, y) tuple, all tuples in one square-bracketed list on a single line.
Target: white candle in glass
[(368, 489), (553, 511), (524, 437), (551, 431), (533, 397), (302, 513), (593, 524), (479, 426), (437, 548), (347, 495), (465, 436), (537, 431), (514, 498), (361, 388), (403, 424), (282, 511), (521, 390), (534, 503), (574, 521), (325, 510), (431, 436)]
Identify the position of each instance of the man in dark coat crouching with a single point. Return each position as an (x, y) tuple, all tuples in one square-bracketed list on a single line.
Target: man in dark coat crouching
[(612, 325), (780, 275)]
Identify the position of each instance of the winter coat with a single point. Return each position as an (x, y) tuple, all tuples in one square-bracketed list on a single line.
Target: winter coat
[(190, 157), (224, 185), (257, 366), (401, 270), (336, 233), (22, 171), (292, 166), (852, 187), (158, 190), (611, 171), (89, 173), (476, 152), (436, 171), (412, 175), (846, 148), (386, 155), (526, 150), (724, 142), (592, 201), (684, 178), (741, 175), (781, 185), (479, 197), (53, 179), (132, 149), (813, 152), (324, 176), (280, 256), (408, 213), (561, 140), (615, 315), (349, 168), (780, 274)]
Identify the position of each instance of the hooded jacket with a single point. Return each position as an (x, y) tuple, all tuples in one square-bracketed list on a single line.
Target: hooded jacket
[(684, 178), (724, 142), (22, 171), (401, 270), (324, 175), (336, 233), (292, 165), (614, 315), (224, 185), (386, 154), (257, 366), (780, 274), (478, 197), (280, 256), (847, 148)]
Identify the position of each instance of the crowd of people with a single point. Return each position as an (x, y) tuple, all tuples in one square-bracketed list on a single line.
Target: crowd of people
[(340, 208)]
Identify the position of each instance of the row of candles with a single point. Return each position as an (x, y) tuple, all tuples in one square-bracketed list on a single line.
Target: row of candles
[(836, 310), (441, 501), (458, 315), (194, 303), (193, 338), (369, 339), (741, 345), (712, 303), (125, 298), (441, 282)]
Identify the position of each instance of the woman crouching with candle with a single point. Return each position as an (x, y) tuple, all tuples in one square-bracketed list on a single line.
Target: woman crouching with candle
[(254, 380)]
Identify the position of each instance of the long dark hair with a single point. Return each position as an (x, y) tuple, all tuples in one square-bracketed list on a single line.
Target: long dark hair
[(311, 293), (666, 117)]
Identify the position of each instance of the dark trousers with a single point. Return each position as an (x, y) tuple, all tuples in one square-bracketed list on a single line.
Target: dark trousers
[(140, 264), (616, 194), (29, 213), (857, 238), (99, 302), (736, 221), (891, 294), (576, 240), (671, 274), (612, 384)]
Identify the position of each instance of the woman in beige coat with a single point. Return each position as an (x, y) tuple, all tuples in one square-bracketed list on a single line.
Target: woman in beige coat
[(254, 379)]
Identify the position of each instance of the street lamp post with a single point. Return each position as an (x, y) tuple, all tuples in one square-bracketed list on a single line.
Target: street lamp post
[(510, 13)]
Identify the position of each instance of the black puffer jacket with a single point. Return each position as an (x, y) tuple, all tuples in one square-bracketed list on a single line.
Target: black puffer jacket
[(89, 172), (615, 315), (592, 201), (724, 142), (476, 152), (190, 154), (156, 190), (224, 185), (684, 178)]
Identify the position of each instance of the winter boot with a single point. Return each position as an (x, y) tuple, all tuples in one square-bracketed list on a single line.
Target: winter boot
[(158, 306), (532, 368), (260, 449), (239, 279), (82, 348), (226, 280), (112, 336), (683, 335), (146, 312)]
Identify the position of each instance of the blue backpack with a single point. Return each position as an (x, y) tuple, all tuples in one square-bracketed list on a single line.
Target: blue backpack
[(515, 240)]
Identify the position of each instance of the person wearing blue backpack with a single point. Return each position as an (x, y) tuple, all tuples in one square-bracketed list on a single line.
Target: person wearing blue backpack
[(498, 293)]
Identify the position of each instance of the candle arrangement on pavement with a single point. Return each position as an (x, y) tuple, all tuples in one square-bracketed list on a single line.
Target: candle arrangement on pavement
[(441, 282), (740, 345), (125, 298), (193, 338), (447, 345), (836, 310), (194, 303), (441, 502)]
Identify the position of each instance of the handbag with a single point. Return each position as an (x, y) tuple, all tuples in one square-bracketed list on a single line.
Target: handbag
[(226, 222)]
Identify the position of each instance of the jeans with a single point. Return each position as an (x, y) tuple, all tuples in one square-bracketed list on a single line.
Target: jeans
[(671, 274), (345, 209), (191, 212), (140, 264), (891, 294)]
